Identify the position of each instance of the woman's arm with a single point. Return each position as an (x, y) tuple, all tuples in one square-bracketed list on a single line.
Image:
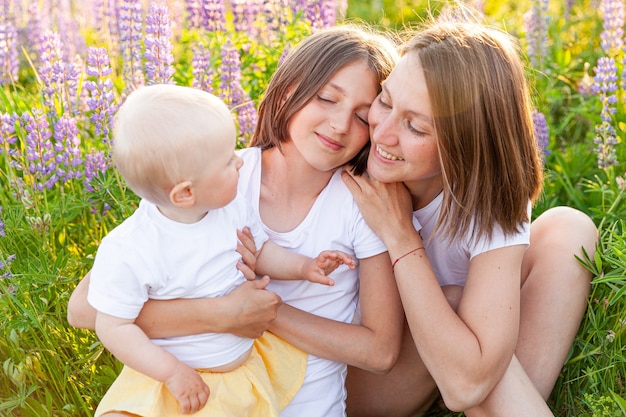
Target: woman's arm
[(466, 352), (374, 344), (246, 311)]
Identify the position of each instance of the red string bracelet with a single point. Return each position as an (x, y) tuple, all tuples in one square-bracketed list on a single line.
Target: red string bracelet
[(393, 265)]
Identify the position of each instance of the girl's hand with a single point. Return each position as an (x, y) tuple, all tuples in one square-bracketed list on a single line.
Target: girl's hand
[(318, 269), (387, 208), (247, 248)]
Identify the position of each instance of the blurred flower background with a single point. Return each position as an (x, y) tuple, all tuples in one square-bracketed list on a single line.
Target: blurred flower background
[(66, 66)]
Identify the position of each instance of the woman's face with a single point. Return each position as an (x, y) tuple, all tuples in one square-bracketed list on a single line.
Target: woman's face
[(332, 128), (404, 142)]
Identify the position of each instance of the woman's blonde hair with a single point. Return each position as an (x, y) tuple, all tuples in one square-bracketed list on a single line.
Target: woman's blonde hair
[(308, 68), (165, 134), (482, 110)]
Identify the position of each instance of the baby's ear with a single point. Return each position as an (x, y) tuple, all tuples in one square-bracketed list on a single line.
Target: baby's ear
[(182, 195)]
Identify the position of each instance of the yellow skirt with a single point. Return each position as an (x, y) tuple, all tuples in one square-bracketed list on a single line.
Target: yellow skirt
[(262, 386)]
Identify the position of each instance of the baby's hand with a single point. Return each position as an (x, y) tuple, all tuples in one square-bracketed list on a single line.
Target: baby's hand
[(317, 270), (188, 388)]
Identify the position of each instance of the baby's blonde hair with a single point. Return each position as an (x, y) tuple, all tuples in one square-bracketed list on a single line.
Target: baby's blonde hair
[(164, 134)]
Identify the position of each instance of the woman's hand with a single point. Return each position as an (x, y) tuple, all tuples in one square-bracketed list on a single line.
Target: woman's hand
[(387, 208), (247, 248)]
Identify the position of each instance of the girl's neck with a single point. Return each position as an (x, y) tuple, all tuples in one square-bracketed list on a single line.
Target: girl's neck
[(289, 175), (289, 188)]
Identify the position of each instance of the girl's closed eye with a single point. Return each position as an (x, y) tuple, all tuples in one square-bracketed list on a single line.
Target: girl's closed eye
[(325, 99)]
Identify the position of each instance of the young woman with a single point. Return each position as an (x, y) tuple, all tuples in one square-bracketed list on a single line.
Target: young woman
[(492, 302), (312, 121)]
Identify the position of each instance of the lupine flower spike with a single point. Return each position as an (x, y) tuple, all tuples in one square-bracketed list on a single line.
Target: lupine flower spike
[(605, 87), (100, 88), (158, 42)]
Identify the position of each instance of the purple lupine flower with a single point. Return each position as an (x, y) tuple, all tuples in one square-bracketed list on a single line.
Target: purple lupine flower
[(69, 83), (50, 68), (112, 24), (6, 273), (38, 151), (624, 70), (569, 4), (536, 22), (213, 15), (319, 13), (130, 22), (201, 68), (68, 31), (159, 58), (327, 12), (612, 36), (194, 13), (542, 133), (67, 149), (247, 118), (35, 30), (98, 12), (606, 136), (176, 17), (95, 165), (9, 57), (8, 137), (245, 15), (7, 129), (2, 234), (230, 75), (585, 85), (277, 16), (101, 96)]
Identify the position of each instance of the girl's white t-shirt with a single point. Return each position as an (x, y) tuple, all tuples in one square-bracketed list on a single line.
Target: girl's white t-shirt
[(334, 222)]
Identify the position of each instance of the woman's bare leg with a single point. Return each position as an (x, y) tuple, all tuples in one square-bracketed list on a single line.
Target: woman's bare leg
[(555, 291), (407, 390), (555, 288)]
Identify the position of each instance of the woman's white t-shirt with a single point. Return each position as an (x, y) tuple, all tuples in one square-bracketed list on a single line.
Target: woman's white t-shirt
[(451, 260)]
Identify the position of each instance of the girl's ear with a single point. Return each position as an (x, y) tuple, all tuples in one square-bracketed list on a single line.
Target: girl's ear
[(182, 195)]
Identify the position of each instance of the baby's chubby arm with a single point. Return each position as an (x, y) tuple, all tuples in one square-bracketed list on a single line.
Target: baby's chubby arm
[(130, 345), (280, 263)]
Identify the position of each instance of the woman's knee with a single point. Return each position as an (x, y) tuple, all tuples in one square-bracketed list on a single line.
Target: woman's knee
[(565, 226)]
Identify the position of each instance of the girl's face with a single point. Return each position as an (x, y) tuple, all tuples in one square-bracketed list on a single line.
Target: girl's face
[(332, 128), (404, 141)]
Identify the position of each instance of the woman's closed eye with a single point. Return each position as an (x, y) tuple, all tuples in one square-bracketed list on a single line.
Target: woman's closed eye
[(383, 102)]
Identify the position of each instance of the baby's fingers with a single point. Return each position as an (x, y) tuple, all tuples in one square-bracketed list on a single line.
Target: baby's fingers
[(342, 258)]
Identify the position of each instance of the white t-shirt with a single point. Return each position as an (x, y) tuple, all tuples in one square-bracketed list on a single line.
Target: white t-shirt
[(334, 222), (451, 260), (152, 256)]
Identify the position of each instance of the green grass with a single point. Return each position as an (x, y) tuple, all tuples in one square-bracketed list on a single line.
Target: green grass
[(51, 369)]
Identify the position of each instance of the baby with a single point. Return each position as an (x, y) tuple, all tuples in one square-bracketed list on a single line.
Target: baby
[(175, 148)]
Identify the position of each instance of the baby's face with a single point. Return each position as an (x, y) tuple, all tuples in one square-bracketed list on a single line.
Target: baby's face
[(217, 184)]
